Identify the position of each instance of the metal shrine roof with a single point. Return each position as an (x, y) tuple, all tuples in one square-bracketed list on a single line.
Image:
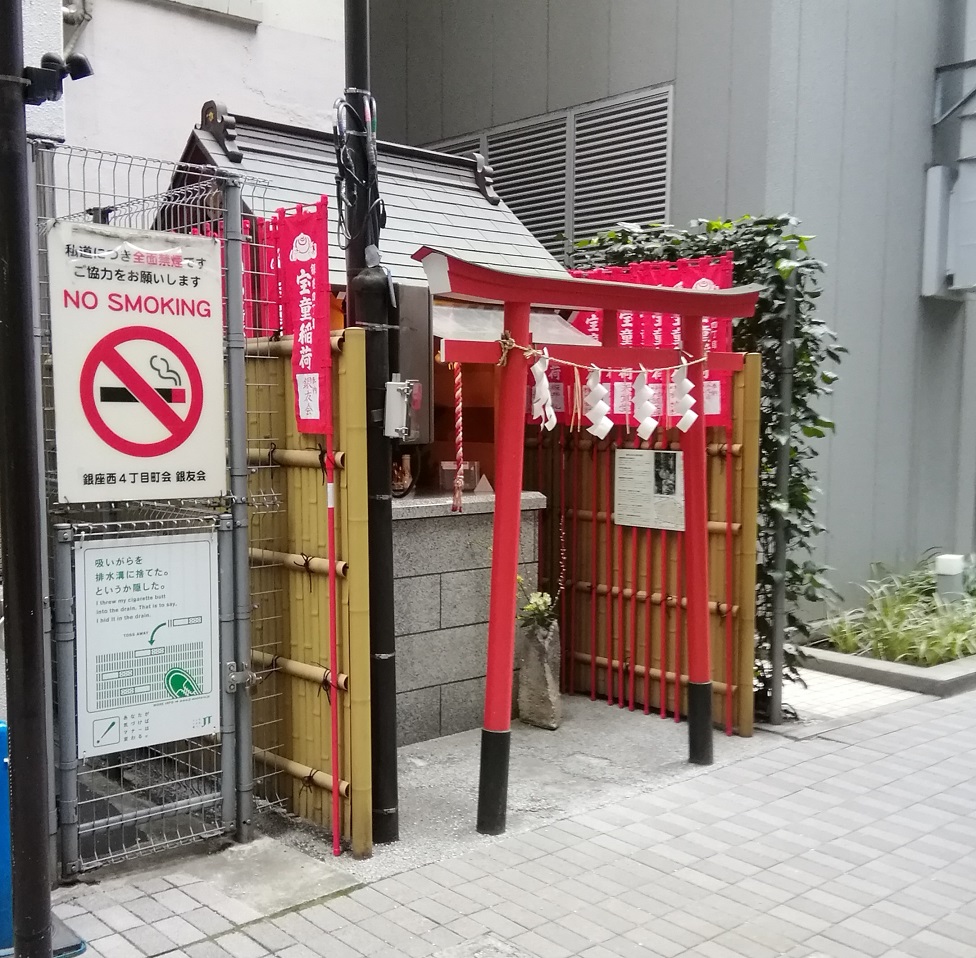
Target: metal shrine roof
[(432, 199)]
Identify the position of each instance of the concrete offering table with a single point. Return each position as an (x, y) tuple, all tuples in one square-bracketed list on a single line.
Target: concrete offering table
[(442, 571)]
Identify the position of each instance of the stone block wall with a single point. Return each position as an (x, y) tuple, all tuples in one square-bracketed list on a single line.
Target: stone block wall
[(442, 569)]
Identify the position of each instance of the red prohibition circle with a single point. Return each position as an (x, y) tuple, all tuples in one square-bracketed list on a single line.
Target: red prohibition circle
[(106, 352)]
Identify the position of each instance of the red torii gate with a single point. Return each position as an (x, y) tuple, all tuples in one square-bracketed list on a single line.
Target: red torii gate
[(518, 291)]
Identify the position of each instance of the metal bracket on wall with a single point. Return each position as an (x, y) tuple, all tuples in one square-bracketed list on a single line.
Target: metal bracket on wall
[(240, 676), (940, 113)]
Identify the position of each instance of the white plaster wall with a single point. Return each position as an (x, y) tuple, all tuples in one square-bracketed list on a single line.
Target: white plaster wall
[(158, 61), (42, 34)]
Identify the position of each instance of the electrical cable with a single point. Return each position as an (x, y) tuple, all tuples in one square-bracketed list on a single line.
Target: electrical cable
[(348, 183)]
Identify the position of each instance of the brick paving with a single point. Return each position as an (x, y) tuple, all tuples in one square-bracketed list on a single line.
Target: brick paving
[(858, 841), (824, 697)]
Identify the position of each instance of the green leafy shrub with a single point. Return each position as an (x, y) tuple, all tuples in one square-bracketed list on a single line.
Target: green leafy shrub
[(906, 620), (767, 250)]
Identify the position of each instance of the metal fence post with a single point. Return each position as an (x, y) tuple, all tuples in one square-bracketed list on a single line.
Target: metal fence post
[(64, 636), (228, 726), (237, 422), (777, 652), (41, 199)]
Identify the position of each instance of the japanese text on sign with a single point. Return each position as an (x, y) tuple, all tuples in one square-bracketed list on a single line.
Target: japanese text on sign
[(648, 489), (137, 345), (147, 641), (303, 258)]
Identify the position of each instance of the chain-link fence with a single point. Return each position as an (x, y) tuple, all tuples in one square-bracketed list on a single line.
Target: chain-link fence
[(140, 800)]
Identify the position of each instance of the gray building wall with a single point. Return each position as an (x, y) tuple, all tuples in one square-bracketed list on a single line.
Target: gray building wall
[(444, 68), (850, 137), (818, 107)]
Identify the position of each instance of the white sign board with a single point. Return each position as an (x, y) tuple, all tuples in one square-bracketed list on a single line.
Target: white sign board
[(137, 344), (648, 489), (147, 626)]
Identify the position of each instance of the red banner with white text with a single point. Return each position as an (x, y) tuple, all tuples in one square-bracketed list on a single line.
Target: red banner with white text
[(302, 254)]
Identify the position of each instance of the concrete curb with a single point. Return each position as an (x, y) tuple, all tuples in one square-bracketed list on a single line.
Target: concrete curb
[(942, 681)]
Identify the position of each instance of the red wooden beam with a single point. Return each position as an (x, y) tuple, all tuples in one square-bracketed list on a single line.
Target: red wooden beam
[(632, 357), (606, 357), (470, 351), (448, 274)]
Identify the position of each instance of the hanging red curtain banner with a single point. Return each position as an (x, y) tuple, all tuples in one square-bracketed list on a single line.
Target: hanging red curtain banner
[(301, 238), (264, 284), (655, 330)]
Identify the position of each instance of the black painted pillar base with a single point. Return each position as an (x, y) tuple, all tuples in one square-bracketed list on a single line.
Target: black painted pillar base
[(493, 785), (700, 723), (386, 812)]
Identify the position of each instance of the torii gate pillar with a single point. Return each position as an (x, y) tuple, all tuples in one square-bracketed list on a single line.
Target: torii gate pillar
[(696, 560), (496, 733)]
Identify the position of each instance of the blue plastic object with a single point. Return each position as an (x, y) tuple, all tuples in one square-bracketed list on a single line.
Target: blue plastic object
[(6, 885), (65, 943)]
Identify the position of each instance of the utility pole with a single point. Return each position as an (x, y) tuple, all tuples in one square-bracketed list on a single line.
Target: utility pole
[(368, 304), (20, 514)]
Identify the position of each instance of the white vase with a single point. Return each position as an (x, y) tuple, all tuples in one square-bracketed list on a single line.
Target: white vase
[(539, 702)]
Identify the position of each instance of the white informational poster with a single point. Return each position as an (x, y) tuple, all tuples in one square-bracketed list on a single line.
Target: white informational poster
[(648, 489), (147, 626), (137, 345)]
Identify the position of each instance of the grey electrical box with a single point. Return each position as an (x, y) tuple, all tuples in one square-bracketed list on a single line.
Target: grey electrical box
[(412, 356)]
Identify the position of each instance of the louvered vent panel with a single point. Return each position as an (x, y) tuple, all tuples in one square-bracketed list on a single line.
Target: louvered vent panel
[(530, 176), (621, 165)]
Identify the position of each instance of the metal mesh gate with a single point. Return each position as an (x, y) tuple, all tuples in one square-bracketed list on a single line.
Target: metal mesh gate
[(138, 801)]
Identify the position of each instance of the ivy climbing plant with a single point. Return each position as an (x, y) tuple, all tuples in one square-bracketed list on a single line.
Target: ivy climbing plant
[(767, 250)]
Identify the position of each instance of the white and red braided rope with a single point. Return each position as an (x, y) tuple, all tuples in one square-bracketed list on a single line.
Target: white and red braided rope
[(458, 441)]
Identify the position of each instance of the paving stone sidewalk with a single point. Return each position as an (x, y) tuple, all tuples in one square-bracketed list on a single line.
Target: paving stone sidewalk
[(860, 841)]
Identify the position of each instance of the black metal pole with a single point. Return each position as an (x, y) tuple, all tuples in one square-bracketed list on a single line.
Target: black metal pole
[(368, 304), (370, 289), (357, 78), (20, 515)]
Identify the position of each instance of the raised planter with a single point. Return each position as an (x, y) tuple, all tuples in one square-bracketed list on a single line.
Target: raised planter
[(950, 678)]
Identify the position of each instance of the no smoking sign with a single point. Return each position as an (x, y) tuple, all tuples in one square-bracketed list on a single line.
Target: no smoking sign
[(138, 364), (141, 391)]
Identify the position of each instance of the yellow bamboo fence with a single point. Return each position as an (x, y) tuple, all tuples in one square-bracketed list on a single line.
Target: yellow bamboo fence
[(289, 581)]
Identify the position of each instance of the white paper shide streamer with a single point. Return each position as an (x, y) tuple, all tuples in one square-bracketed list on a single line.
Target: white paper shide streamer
[(685, 400), (595, 407), (541, 396), (644, 410)]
